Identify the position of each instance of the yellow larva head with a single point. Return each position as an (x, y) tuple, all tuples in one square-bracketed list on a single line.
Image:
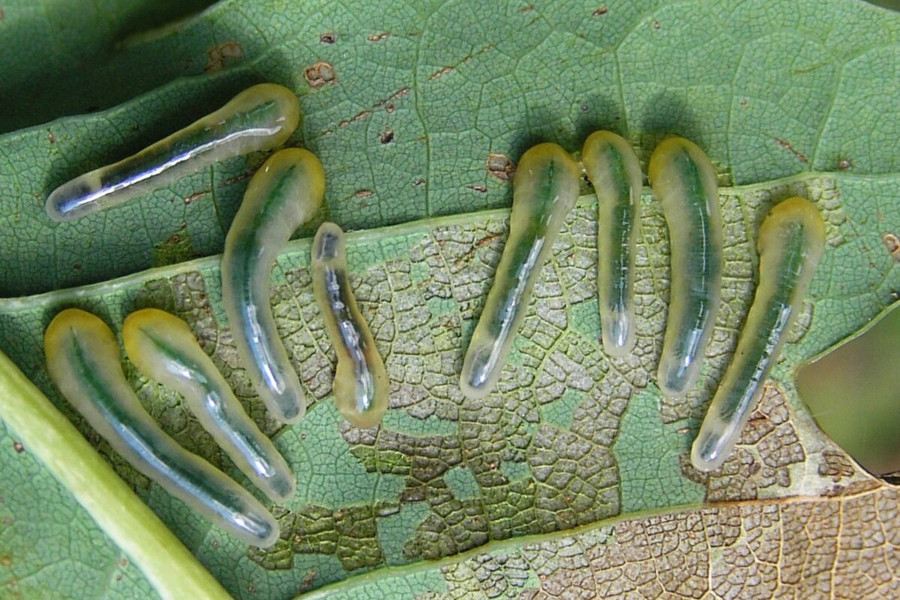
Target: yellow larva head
[(288, 107), (74, 322), (801, 212)]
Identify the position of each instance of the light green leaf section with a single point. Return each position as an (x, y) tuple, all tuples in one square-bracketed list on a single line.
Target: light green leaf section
[(418, 95), (789, 98)]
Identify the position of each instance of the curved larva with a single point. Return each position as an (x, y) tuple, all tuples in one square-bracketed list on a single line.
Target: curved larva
[(791, 242), (83, 361), (615, 172), (361, 386), (163, 347), (283, 194), (684, 181), (545, 189), (259, 118)]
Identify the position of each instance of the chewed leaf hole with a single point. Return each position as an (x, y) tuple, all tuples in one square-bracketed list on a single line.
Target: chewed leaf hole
[(853, 392)]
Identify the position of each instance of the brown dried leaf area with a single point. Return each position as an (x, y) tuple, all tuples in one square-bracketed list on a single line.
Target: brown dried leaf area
[(544, 456), (799, 549)]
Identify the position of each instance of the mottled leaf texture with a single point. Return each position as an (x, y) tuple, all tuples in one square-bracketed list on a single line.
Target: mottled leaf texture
[(572, 480)]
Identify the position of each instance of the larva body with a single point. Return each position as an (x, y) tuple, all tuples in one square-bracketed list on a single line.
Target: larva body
[(684, 181), (259, 118), (283, 194), (615, 172), (361, 386), (83, 362), (791, 242), (545, 189), (163, 347)]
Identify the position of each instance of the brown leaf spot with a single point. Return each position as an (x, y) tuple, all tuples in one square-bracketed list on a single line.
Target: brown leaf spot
[(6, 561), (377, 37), (836, 466), (787, 146), (196, 196), (320, 74), (844, 164), (328, 37), (601, 11), (489, 239), (441, 73), (307, 581), (51, 138), (387, 137), (892, 243), (18, 447), (526, 9), (236, 178), (2, 14), (500, 166), (219, 56), (479, 188), (363, 193), (656, 25)]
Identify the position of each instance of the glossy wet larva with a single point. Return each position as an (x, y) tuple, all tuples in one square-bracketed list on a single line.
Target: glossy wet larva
[(614, 170), (163, 347), (285, 193), (259, 118), (84, 363), (791, 242), (361, 386), (545, 189), (684, 181)]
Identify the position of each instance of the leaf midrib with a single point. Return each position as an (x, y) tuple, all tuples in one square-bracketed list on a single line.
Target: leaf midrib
[(30, 302)]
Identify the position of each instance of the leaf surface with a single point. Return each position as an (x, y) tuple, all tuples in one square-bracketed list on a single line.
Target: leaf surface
[(574, 477)]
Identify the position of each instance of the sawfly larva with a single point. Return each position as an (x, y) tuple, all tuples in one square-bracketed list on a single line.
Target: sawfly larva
[(684, 181), (791, 242), (361, 386), (84, 363), (282, 195), (259, 118), (163, 347), (615, 172), (545, 188)]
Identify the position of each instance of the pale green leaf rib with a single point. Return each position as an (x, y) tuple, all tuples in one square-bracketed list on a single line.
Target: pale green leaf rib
[(73, 461)]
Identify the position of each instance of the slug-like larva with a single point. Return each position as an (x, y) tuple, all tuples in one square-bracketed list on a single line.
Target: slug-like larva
[(259, 118), (283, 194), (615, 172), (83, 361), (545, 189), (361, 386), (684, 181), (791, 242), (163, 347)]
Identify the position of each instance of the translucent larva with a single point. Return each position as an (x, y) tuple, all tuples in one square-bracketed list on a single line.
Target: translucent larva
[(259, 118), (615, 172), (545, 189), (361, 386), (283, 194), (684, 181), (83, 361), (163, 347), (791, 242)]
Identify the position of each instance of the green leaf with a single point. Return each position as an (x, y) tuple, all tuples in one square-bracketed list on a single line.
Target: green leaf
[(578, 463)]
